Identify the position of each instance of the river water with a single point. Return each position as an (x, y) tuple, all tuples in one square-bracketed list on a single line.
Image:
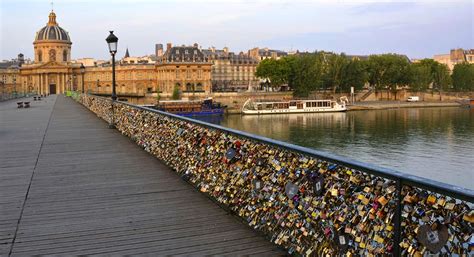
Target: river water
[(436, 143)]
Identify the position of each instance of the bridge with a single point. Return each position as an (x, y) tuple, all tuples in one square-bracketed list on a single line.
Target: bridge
[(163, 184), (70, 186)]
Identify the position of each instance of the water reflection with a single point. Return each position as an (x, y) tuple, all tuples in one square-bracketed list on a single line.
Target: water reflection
[(437, 143)]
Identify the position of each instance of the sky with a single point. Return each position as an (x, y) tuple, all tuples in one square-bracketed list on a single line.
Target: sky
[(417, 28)]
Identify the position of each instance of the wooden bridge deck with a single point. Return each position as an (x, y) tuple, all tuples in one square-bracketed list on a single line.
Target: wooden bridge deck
[(70, 186)]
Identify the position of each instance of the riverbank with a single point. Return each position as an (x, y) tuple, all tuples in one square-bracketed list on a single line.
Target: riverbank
[(379, 105), (382, 105)]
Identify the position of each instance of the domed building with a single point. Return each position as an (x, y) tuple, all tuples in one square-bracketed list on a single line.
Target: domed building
[(52, 71), (52, 43)]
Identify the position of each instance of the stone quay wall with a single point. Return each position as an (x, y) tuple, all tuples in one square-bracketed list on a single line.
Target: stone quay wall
[(309, 203)]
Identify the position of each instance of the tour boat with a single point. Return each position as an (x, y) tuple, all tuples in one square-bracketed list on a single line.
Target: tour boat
[(191, 107), (293, 106)]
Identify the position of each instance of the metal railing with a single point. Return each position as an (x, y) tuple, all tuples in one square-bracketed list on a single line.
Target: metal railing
[(10, 96), (308, 201)]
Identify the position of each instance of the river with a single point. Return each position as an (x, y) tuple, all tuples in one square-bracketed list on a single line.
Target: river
[(436, 143)]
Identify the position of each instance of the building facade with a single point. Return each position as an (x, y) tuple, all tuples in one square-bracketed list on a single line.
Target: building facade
[(185, 68), (51, 71), (10, 82), (455, 56), (265, 53), (232, 72)]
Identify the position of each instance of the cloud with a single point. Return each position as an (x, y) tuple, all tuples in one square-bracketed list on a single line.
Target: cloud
[(242, 24)]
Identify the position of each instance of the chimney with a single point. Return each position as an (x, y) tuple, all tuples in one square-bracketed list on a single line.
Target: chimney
[(196, 45), (158, 50), (168, 46)]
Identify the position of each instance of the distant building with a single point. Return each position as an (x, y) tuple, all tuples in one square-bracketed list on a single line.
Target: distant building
[(10, 75), (265, 53), (51, 71), (133, 82), (184, 67), (230, 71), (455, 56), (469, 54)]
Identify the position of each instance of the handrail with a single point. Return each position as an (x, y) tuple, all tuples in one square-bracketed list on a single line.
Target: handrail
[(406, 179), (409, 199)]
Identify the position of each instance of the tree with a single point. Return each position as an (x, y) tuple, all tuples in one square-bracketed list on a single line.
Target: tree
[(441, 78), (463, 77), (439, 74), (334, 67), (274, 70), (388, 71), (309, 70), (354, 75), (421, 77), (176, 93)]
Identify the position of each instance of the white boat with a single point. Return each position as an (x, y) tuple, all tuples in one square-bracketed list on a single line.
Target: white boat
[(293, 106)]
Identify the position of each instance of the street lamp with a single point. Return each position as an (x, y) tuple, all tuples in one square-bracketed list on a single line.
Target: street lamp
[(74, 85), (112, 41), (83, 70)]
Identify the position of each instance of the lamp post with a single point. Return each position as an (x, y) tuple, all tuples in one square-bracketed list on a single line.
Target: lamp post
[(112, 41), (74, 85), (83, 70)]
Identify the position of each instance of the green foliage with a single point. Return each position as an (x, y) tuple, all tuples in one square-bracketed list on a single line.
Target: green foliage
[(439, 74), (441, 78), (387, 71), (463, 77), (334, 68), (421, 77), (176, 93), (323, 70), (274, 70), (309, 70)]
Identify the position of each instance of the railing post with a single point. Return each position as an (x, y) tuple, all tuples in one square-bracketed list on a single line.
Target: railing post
[(397, 220)]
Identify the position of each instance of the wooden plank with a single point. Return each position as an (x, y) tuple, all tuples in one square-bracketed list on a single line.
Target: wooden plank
[(96, 192)]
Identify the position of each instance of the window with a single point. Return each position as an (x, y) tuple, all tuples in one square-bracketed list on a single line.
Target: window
[(199, 74), (188, 74), (52, 55), (64, 56), (149, 89), (40, 56), (189, 87), (177, 74)]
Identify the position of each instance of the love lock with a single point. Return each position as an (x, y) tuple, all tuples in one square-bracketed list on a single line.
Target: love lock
[(433, 239), (291, 190), (318, 186)]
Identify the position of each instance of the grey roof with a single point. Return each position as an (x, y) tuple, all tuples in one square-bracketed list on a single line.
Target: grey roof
[(9, 64), (234, 58), (184, 54), (264, 52), (52, 33)]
